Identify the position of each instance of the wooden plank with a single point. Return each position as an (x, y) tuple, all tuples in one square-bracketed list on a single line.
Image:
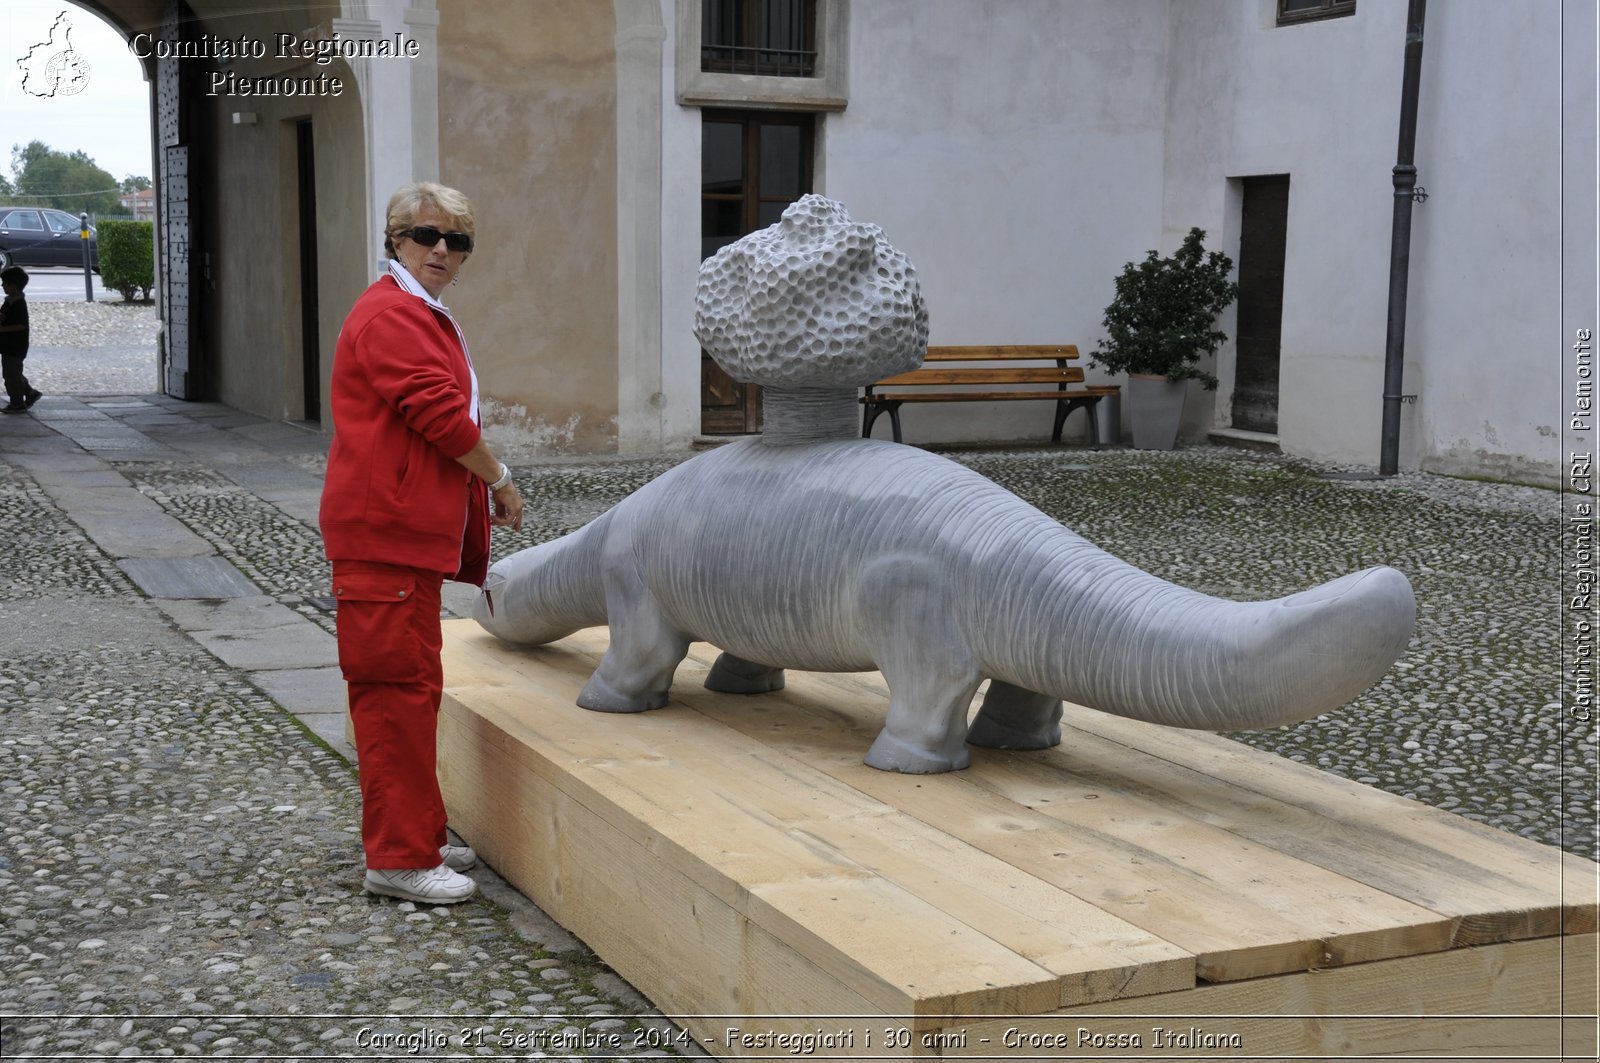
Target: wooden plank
[(1095, 955), (904, 952), (1497, 886), (1466, 885), (1002, 352), (1580, 995), (1580, 895), (1481, 904), (969, 375), (626, 765), (1096, 950), (695, 956), (1488, 1002), (1245, 910)]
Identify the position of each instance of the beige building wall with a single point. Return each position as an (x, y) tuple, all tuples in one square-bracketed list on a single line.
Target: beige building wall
[(527, 129)]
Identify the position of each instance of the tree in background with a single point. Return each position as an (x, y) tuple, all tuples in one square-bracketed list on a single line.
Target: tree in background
[(131, 183), (44, 177)]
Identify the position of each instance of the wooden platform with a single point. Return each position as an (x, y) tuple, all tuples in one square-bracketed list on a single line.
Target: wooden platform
[(733, 858)]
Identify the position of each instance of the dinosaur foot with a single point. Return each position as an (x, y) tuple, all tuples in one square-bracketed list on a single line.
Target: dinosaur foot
[(889, 753), (735, 675), (1014, 718), (992, 735), (600, 696)]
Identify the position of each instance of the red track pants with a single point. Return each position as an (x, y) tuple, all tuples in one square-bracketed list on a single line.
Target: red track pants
[(389, 646)]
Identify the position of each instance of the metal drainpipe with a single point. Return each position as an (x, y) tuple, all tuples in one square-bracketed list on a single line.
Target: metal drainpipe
[(1405, 189)]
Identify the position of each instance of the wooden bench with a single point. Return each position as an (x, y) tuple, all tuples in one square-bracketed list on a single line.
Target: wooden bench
[(997, 378)]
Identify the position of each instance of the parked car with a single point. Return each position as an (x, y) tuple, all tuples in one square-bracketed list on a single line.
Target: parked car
[(39, 236)]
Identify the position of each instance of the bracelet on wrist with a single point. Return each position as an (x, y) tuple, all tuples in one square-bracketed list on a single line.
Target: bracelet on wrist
[(505, 478)]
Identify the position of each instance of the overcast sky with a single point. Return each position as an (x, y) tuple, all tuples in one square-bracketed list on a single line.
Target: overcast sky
[(109, 119)]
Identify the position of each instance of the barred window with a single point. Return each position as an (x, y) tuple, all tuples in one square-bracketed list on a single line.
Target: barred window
[(1292, 11), (770, 37)]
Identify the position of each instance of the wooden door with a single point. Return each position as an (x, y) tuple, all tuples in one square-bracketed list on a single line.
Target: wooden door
[(183, 170), (1263, 234), (753, 164)]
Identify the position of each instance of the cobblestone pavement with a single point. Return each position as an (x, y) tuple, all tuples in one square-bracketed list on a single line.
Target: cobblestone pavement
[(180, 858), (93, 348)]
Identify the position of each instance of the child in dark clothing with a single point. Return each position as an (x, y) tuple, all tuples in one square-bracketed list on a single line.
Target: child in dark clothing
[(14, 340)]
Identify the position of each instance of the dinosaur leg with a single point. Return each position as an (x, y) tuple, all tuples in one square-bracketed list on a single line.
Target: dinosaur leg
[(930, 669), (735, 675), (1013, 718), (636, 671)]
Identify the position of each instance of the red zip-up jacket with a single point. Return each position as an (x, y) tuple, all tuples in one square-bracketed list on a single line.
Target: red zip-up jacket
[(393, 492)]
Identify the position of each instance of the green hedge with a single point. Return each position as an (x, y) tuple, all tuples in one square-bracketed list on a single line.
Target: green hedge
[(127, 257)]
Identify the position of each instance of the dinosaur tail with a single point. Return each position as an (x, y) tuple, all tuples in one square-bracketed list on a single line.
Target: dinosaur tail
[(547, 591), (1137, 646)]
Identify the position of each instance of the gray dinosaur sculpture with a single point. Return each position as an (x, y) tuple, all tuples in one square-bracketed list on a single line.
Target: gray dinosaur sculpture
[(806, 549)]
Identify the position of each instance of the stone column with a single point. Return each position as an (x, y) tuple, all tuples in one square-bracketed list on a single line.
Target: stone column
[(422, 25), (640, 399), (399, 104)]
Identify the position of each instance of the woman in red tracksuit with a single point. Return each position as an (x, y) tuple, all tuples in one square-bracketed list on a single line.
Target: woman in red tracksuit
[(410, 494)]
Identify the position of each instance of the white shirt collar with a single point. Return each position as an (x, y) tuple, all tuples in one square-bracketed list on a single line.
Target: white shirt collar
[(404, 278)]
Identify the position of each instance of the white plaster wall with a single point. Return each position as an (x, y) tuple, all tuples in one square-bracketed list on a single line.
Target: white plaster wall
[(1486, 247), (1013, 150), (1580, 294), (1320, 101), (1317, 101), (1020, 151)]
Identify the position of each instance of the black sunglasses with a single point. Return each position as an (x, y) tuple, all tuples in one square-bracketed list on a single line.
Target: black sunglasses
[(427, 236)]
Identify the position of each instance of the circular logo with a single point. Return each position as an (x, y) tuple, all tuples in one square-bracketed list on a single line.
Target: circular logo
[(67, 73)]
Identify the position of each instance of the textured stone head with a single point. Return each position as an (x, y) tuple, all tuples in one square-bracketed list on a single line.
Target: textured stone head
[(816, 300)]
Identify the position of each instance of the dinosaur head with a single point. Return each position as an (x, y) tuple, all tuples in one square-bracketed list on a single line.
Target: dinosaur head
[(814, 300)]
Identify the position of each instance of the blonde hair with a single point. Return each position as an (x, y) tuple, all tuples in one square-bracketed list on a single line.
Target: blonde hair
[(410, 200)]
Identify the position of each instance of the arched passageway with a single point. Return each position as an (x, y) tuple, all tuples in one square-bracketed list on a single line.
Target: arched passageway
[(259, 158)]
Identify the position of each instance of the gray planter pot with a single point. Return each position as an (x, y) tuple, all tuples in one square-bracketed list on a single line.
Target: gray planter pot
[(1156, 406)]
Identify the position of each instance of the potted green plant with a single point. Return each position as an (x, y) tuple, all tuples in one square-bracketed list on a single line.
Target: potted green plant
[(1158, 327)]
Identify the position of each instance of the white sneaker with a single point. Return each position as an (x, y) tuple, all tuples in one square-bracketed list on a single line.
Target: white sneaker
[(458, 857), (425, 885)]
